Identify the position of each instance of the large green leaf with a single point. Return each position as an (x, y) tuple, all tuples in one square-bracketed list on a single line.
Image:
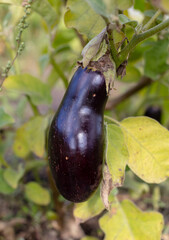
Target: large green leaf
[(37, 194), (127, 222), (107, 8), (31, 137), (46, 10), (117, 154), (86, 210), (31, 86), (81, 16), (156, 59), (147, 143), (5, 119)]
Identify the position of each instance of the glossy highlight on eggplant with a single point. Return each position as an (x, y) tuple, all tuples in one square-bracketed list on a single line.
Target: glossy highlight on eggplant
[(76, 137)]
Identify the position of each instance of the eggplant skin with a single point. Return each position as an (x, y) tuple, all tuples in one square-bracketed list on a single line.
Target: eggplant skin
[(154, 112), (76, 137)]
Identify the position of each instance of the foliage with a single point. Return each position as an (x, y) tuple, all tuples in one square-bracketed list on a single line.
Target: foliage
[(136, 149)]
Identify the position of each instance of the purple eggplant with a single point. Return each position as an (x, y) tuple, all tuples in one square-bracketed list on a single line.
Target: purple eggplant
[(76, 136), (154, 112)]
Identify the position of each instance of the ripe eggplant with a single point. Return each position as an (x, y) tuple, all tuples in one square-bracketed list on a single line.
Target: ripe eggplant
[(76, 137), (154, 112)]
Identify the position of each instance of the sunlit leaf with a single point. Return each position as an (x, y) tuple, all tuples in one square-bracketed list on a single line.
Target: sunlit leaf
[(89, 238), (126, 220), (31, 137), (147, 143), (117, 154), (31, 86), (86, 210), (37, 194)]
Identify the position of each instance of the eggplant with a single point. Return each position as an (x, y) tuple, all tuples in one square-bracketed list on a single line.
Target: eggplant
[(76, 136), (154, 112)]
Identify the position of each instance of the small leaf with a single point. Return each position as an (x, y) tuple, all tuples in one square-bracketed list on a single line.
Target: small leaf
[(80, 15), (35, 193), (147, 142), (125, 20), (117, 154), (4, 187), (31, 137), (91, 49), (156, 59), (86, 210), (12, 177), (5, 119), (31, 86), (128, 221), (44, 8)]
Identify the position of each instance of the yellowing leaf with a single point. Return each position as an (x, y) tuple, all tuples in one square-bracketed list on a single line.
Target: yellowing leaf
[(148, 146), (31, 137), (35, 193), (89, 238), (31, 86), (81, 16), (86, 210), (127, 222), (117, 154)]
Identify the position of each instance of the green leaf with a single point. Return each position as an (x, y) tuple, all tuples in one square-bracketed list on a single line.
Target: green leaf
[(31, 86), (5, 119), (126, 220), (32, 164), (107, 8), (89, 238), (117, 154), (45, 10), (37, 194), (147, 143), (156, 59), (31, 137), (80, 16), (124, 4), (4, 187), (125, 20), (86, 210), (132, 74), (140, 5), (12, 177)]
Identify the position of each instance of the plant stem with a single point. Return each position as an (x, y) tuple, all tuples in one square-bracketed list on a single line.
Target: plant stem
[(59, 71), (144, 81), (139, 38), (151, 21)]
